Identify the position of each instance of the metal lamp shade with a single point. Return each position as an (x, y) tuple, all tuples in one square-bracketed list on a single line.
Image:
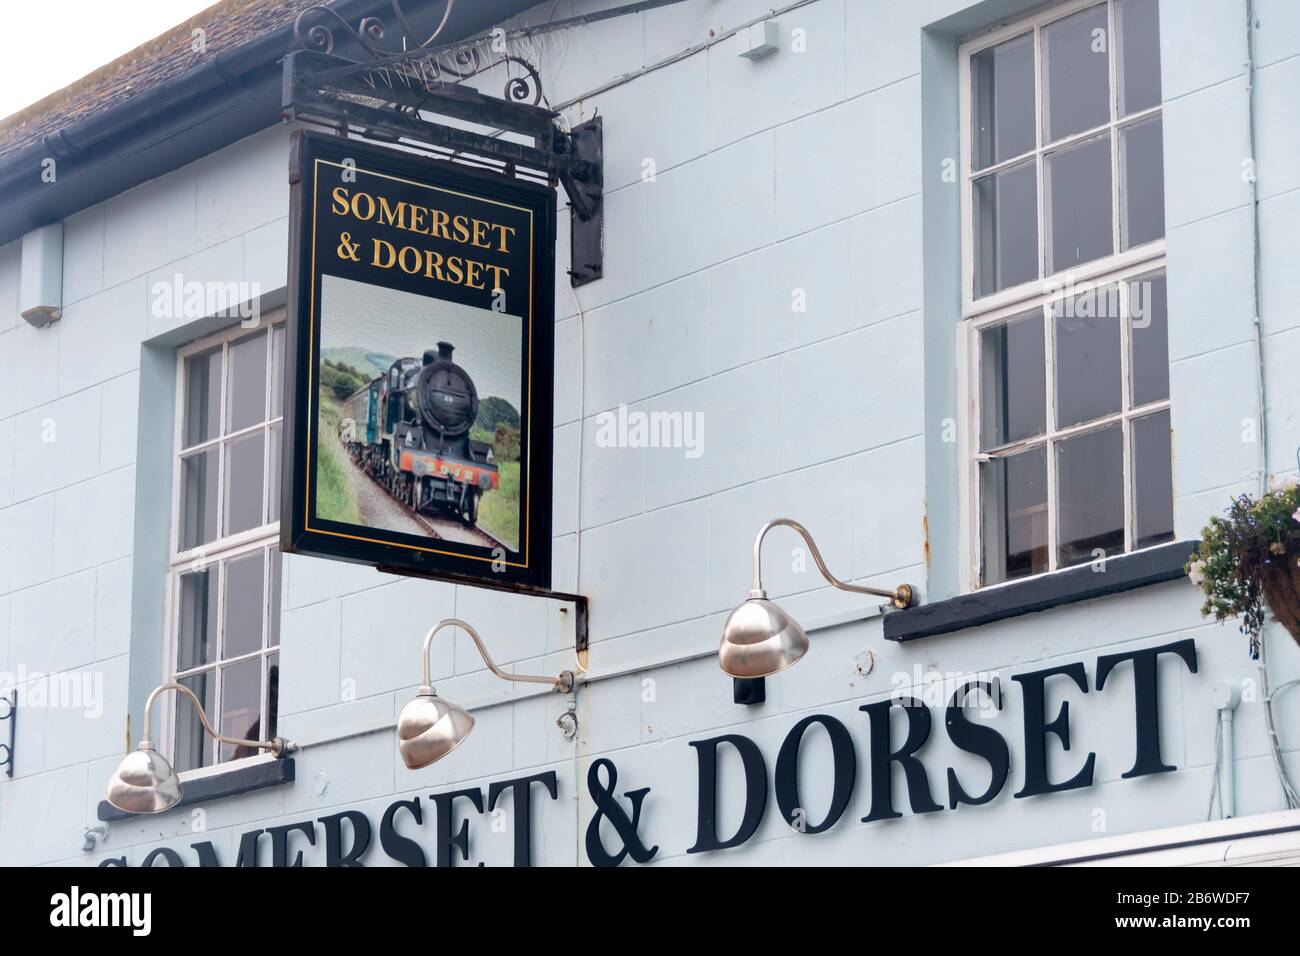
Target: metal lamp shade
[(144, 782), (429, 728), (759, 639)]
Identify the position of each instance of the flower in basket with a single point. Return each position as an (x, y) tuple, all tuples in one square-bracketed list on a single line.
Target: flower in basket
[(1249, 557)]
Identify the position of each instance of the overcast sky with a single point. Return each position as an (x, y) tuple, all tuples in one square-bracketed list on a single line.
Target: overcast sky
[(372, 318), (47, 45)]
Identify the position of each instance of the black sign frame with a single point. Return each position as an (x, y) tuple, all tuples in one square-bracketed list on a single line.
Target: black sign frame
[(319, 160)]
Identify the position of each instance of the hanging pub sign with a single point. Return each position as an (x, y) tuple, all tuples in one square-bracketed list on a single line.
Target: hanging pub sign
[(421, 377)]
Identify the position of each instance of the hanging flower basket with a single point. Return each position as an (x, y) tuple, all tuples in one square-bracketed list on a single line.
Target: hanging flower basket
[(1251, 556)]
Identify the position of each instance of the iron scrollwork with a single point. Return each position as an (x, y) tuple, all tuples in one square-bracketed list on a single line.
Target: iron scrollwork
[(419, 61)]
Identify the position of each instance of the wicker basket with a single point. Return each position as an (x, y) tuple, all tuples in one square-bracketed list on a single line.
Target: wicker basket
[(1281, 584)]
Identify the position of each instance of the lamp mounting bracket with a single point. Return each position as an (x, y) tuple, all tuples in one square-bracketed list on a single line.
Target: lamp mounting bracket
[(407, 96)]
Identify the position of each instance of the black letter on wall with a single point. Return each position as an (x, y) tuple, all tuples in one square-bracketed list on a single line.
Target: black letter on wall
[(398, 847), (1146, 692), (521, 788), (280, 843), (445, 841), (882, 759), (977, 739), (248, 848), (706, 829), (787, 773), (1037, 729), (334, 853), (167, 853)]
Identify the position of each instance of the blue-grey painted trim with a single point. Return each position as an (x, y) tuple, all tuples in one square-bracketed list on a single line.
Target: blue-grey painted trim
[(151, 557), (941, 275), (1126, 572), (258, 776)]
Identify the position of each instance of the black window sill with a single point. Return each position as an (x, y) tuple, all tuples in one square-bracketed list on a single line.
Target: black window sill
[(1126, 572), (258, 776)]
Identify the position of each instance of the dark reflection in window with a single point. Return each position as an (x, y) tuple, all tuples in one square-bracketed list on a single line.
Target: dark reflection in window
[(1012, 382), (1138, 22), (1076, 74), (193, 746), (1153, 481), (1014, 491), (241, 705), (1079, 227), (1149, 330), (1088, 374), (1002, 84), (1006, 228), (1090, 496)]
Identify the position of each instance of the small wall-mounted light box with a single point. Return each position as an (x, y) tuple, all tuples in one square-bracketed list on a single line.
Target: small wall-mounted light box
[(40, 289), (759, 40)]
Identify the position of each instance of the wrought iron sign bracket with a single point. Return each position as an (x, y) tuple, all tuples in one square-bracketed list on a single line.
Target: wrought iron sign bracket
[(388, 100), (10, 716)]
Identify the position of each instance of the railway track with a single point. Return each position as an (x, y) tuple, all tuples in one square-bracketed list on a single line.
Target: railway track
[(447, 524), (442, 529)]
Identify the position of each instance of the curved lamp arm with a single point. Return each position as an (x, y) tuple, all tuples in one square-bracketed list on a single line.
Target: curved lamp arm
[(562, 683), (901, 597), (277, 745)]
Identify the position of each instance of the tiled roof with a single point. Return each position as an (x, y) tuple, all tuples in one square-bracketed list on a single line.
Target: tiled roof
[(226, 25)]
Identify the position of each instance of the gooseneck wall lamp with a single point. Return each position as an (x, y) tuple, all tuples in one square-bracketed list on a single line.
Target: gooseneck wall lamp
[(145, 782), (759, 638), (430, 727)]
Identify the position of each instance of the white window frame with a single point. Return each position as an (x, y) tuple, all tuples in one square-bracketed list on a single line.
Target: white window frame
[(1041, 293), (221, 549)]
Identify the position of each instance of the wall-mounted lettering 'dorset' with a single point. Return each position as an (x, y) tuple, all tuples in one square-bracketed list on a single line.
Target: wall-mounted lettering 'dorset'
[(420, 391)]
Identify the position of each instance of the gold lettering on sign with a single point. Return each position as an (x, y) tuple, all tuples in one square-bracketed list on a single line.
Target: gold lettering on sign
[(473, 272)]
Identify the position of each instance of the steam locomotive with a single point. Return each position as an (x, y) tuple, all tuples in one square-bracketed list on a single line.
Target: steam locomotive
[(409, 430)]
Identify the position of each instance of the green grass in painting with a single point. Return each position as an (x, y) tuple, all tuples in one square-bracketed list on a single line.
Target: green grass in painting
[(335, 497), (498, 512)]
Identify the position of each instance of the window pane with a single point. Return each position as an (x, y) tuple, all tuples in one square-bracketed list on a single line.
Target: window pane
[(1012, 382), (1090, 482), (1078, 204), (1153, 481), (202, 398), (244, 483), (196, 632), (1014, 492), (1006, 228), (1087, 359), (1002, 89), (1076, 74), (274, 444), (272, 696), (244, 604), (198, 499), (193, 746), (273, 626), (1149, 322), (241, 706), (1142, 183), (246, 389), (277, 371), (1138, 22)]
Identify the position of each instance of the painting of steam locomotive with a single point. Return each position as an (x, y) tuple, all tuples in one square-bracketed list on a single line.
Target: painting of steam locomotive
[(409, 430), (419, 402), (419, 429)]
